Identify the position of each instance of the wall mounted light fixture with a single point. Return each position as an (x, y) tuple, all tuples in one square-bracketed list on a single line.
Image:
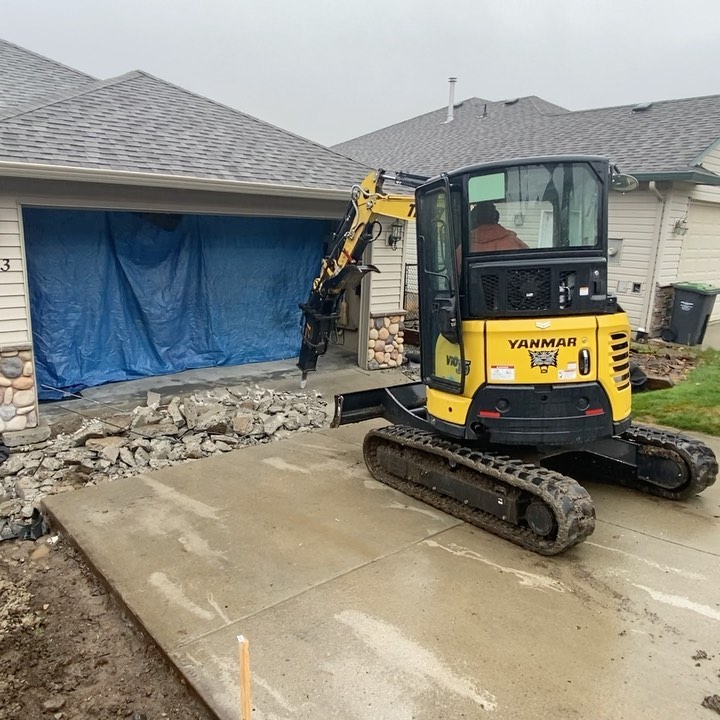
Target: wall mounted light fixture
[(681, 226), (396, 235)]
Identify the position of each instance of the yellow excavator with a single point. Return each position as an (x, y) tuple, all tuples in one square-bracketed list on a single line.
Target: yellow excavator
[(524, 351)]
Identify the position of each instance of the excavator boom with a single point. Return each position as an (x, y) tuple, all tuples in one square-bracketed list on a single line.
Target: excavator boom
[(342, 269)]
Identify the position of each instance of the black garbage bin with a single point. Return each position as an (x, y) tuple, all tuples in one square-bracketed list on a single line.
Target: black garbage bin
[(692, 307)]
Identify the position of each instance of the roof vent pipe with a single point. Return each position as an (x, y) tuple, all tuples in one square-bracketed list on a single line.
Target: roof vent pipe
[(451, 101)]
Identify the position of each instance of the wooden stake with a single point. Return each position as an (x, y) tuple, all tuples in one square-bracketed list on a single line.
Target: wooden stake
[(245, 700)]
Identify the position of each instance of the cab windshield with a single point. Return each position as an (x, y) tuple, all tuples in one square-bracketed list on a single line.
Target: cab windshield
[(534, 207)]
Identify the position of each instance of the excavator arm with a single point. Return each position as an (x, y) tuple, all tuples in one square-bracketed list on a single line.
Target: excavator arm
[(342, 269)]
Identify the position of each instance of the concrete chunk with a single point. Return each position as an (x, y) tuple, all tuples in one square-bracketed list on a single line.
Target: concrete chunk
[(29, 436)]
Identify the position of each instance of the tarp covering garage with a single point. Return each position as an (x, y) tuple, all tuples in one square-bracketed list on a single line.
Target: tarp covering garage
[(120, 295)]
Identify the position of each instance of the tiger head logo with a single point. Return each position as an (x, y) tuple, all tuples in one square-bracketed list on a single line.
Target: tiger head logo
[(543, 359)]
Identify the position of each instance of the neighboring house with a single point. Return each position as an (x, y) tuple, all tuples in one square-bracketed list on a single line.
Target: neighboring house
[(666, 231), (145, 230)]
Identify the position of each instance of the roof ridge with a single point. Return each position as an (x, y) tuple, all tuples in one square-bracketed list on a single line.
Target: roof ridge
[(402, 122), (44, 57), (649, 102), (54, 99), (473, 98), (560, 111)]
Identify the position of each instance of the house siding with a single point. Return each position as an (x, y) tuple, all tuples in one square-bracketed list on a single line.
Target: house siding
[(711, 194), (711, 161), (410, 243), (18, 396), (701, 250), (386, 287), (634, 219), (676, 206), (14, 327)]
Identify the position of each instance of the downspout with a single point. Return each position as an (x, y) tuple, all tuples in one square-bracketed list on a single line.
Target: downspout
[(652, 187)]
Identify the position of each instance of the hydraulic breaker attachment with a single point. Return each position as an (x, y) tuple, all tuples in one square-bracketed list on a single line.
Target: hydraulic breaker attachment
[(320, 314), (399, 404)]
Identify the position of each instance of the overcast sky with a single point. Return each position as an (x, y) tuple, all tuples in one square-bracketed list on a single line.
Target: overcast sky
[(331, 70)]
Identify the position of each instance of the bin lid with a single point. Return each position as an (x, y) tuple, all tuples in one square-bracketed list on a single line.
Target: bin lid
[(698, 287)]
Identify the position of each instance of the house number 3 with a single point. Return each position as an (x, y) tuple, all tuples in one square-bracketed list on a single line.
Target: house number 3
[(4, 264)]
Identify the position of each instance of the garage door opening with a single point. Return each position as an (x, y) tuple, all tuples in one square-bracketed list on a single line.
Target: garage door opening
[(120, 295)]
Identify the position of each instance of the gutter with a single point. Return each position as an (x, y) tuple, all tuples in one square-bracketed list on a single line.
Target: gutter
[(67, 173), (698, 177)]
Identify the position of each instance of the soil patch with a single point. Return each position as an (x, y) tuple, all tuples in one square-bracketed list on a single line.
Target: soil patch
[(68, 652), (664, 360)]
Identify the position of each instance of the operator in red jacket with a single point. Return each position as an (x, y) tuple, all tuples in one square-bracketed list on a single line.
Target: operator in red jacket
[(487, 234)]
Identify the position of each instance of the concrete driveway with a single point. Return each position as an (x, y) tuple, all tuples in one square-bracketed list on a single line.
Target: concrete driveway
[(360, 603)]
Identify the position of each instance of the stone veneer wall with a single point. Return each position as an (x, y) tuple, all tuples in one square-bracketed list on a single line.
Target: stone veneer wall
[(386, 341), (662, 309), (18, 399)]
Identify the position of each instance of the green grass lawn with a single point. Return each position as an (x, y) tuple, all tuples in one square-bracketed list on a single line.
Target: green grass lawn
[(693, 404)]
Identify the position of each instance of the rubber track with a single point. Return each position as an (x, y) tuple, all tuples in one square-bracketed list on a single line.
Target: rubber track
[(701, 466), (569, 501)]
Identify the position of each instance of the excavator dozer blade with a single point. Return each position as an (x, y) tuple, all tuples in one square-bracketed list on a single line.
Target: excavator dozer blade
[(399, 404)]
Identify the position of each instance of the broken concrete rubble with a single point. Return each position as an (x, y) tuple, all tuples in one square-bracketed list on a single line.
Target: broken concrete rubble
[(152, 436)]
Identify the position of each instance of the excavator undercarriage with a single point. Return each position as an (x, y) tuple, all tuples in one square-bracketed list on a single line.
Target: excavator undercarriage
[(523, 494)]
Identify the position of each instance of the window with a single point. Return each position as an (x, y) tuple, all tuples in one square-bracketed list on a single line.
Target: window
[(534, 207)]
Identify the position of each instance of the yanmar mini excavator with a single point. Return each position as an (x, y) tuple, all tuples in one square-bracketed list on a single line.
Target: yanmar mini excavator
[(524, 352)]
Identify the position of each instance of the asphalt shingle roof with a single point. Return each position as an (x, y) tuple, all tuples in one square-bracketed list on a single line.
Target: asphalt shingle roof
[(26, 77), (140, 123), (665, 138)]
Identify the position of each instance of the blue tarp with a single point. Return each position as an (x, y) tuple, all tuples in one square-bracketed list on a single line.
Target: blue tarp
[(120, 295)]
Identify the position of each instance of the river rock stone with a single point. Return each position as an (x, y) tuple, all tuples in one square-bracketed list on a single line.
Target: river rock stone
[(11, 367), (7, 412), (21, 398), (23, 383), (19, 422)]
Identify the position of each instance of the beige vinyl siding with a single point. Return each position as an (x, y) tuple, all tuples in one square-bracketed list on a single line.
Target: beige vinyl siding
[(676, 206), (14, 327), (93, 196), (711, 161), (709, 193), (700, 261), (634, 218), (385, 287), (411, 243), (706, 193)]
